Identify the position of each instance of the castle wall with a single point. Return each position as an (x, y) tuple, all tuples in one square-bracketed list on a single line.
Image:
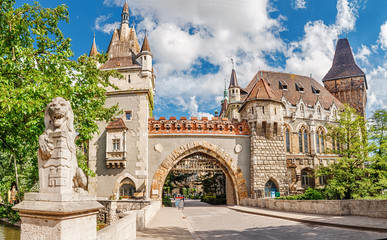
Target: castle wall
[(161, 146), (106, 182)]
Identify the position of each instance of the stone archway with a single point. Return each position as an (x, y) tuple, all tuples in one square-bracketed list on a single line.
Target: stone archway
[(230, 166)]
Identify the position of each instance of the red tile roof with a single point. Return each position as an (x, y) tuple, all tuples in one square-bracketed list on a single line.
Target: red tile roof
[(261, 90), (291, 94), (119, 62), (117, 123)]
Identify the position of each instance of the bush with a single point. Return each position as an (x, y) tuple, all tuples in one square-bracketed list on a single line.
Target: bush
[(310, 194), (213, 200), (6, 211), (167, 201)]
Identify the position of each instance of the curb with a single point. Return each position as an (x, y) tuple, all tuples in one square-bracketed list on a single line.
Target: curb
[(314, 222)]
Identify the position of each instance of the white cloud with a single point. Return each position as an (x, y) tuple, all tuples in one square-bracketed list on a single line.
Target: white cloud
[(191, 106), (377, 92), (346, 15), (383, 36), (314, 53), (362, 54), (299, 4), (107, 27), (183, 35)]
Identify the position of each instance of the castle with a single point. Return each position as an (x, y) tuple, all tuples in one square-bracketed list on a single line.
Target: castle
[(267, 139)]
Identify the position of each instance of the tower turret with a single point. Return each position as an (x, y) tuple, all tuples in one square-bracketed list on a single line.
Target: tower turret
[(233, 89), (145, 56), (345, 80), (125, 15)]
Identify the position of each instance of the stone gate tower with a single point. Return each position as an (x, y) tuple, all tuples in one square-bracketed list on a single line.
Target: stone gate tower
[(263, 110), (119, 154), (345, 80)]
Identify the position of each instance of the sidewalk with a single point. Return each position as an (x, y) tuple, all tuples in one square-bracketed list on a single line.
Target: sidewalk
[(352, 222), (168, 223)]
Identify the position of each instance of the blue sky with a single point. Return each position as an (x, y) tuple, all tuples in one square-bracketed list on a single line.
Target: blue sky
[(193, 42)]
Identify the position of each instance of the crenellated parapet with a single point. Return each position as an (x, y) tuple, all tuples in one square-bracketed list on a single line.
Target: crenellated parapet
[(220, 126)]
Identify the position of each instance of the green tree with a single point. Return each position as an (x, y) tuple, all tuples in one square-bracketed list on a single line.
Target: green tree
[(378, 142), (348, 177), (35, 67)]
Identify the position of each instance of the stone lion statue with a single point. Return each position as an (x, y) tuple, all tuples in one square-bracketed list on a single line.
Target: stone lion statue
[(59, 117)]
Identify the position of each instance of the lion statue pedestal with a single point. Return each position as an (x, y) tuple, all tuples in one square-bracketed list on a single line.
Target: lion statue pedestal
[(62, 209)]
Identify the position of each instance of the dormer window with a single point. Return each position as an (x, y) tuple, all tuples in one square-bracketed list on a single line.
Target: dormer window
[(282, 85), (299, 87), (315, 90)]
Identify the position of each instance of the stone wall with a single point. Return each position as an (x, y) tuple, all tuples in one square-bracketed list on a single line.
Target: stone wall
[(267, 163), (125, 229), (115, 210), (112, 209), (369, 208)]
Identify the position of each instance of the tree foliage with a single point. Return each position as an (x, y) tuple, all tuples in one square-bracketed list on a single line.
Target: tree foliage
[(35, 67), (348, 176), (378, 146)]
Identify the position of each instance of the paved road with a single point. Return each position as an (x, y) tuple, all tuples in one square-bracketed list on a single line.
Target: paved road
[(214, 222)]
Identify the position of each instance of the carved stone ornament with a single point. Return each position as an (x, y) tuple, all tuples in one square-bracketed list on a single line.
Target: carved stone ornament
[(58, 167), (238, 148), (159, 148)]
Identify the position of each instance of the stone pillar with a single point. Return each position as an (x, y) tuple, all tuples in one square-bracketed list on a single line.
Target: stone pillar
[(62, 209), (50, 220)]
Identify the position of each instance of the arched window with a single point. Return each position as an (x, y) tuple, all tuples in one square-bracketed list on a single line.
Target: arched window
[(127, 190), (270, 189), (287, 139), (320, 140), (307, 179), (303, 140)]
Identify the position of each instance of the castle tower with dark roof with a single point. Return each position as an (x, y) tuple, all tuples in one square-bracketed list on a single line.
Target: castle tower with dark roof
[(345, 80)]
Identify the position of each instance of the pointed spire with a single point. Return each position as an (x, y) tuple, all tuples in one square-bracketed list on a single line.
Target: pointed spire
[(343, 64), (125, 14), (145, 44), (93, 51), (225, 92), (125, 9), (233, 79)]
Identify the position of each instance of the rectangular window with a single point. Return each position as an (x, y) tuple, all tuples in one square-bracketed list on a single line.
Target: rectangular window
[(128, 115), (128, 78), (264, 128), (305, 142), (275, 129), (116, 144), (318, 143), (300, 140), (287, 140)]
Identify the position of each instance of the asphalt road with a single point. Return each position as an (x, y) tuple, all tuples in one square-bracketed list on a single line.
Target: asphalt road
[(219, 222)]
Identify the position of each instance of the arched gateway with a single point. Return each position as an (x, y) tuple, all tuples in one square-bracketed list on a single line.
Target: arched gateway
[(230, 167)]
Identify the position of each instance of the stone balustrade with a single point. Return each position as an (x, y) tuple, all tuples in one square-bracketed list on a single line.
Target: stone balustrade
[(220, 126), (369, 208)]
